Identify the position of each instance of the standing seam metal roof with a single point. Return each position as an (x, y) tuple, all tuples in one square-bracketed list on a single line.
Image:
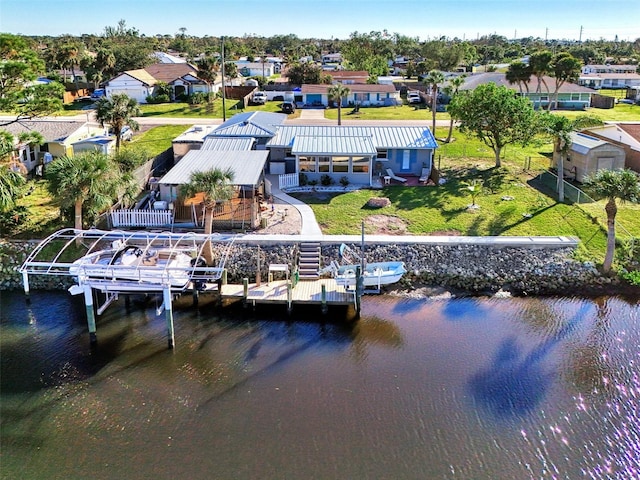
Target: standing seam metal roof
[(382, 136), (247, 166), (250, 124), (333, 145), (227, 143)]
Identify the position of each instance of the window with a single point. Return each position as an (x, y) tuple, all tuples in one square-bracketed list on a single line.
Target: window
[(544, 98), (341, 164), (382, 154), (360, 164), (575, 96), (307, 164), (323, 164)]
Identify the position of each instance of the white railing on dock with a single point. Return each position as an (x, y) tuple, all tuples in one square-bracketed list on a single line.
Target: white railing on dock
[(288, 180), (141, 218)]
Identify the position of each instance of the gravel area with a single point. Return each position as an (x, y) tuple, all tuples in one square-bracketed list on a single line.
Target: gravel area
[(278, 223)]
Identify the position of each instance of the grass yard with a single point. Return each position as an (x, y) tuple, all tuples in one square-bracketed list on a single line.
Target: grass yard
[(400, 112), (157, 139), (184, 110), (619, 113)]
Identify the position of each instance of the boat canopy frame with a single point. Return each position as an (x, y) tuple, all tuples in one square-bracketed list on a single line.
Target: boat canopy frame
[(43, 260)]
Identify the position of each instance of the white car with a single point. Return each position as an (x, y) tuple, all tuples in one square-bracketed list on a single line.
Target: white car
[(414, 97), (259, 98)]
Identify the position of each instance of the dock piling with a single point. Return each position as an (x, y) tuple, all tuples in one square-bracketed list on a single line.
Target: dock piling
[(168, 311), (91, 316)]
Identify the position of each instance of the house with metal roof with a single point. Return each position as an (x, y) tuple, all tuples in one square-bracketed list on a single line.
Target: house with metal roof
[(625, 135), (360, 154), (248, 178), (588, 154), (260, 126)]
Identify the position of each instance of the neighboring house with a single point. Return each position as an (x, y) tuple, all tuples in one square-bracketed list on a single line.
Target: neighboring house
[(589, 154), (139, 84), (100, 143), (349, 77), (331, 58), (361, 154), (163, 57), (365, 95), (59, 138), (589, 69), (243, 211), (624, 135), (68, 77), (256, 69), (570, 95), (609, 80), (260, 126)]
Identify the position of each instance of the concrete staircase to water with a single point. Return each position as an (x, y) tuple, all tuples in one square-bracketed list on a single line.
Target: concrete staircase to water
[(309, 261)]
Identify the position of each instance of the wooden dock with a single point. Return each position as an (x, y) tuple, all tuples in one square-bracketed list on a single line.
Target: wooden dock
[(323, 292)]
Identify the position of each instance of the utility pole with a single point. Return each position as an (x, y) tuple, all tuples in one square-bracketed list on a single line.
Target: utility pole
[(224, 106), (580, 39)]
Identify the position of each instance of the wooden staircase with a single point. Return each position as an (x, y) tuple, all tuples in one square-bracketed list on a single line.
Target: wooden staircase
[(309, 261)]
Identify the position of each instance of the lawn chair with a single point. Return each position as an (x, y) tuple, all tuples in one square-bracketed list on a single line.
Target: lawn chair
[(424, 175), (395, 177)]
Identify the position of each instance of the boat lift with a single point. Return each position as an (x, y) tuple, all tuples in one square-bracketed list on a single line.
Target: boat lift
[(60, 254)]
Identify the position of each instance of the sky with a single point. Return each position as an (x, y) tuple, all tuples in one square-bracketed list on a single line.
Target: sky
[(424, 19)]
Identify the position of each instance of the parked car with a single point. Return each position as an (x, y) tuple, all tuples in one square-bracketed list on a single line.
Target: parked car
[(288, 107), (259, 98), (628, 101), (126, 134), (97, 94), (414, 97)]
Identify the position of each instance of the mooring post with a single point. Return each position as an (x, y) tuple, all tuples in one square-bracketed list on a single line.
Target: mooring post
[(245, 291), (195, 295), (168, 312), (289, 297), (25, 283), (91, 316), (359, 290), (323, 299)]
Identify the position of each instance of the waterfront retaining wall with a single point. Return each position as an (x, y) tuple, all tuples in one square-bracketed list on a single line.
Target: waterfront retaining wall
[(468, 267)]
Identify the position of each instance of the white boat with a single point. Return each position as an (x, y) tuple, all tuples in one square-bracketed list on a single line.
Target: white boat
[(135, 268), (375, 275)]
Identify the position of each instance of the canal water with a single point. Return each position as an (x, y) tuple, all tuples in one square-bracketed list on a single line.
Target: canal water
[(472, 388)]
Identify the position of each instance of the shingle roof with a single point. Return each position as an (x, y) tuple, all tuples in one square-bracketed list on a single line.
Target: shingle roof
[(51, 131), (323, 145), (141, 75), (476, 79), (168, 72), (381, 136), (247, 166), (250, 124), (353, 88)]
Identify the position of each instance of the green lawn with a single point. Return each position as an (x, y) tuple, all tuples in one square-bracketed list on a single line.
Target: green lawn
[(620, 113), (157, 139), (401, 112), (184, 110)]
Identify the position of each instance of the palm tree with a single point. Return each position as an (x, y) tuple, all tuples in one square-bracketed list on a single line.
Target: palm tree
[(11, 184), (613, 185), (216, 187), (89, 181), (432, 80), (520, 74), (118, 111), (337, 93), (559, 128), (452, 90), (540, 63), (208, 70)]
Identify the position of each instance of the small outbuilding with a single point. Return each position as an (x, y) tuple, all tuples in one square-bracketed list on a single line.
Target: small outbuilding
[(589, 154)]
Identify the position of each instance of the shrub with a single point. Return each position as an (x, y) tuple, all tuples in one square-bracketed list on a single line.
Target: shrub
[(344, 181), (303, 179), (158, 99), (13, 218), (326, 180)]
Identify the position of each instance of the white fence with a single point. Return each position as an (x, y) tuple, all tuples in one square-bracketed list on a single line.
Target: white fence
[(288, 180), (141, 218)]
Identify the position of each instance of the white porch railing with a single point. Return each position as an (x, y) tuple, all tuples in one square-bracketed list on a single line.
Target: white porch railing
[(288, 180), (141, 218)]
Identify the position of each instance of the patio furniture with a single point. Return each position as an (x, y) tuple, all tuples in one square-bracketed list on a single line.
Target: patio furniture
[(424, 175), (395, 177)]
